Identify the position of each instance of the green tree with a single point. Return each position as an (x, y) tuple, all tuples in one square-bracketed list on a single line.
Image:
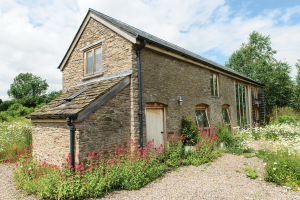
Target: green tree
[(255, 59), (27, 84), (296, 88)]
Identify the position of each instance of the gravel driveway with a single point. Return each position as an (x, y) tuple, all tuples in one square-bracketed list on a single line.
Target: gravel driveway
[(217, 181)]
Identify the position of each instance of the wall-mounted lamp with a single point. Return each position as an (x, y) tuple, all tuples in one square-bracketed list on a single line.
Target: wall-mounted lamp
[(180, 100)]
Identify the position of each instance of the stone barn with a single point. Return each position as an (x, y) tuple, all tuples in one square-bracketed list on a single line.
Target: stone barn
[(121, 83)]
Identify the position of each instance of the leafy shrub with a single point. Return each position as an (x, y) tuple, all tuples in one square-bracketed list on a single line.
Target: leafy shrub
[(204, 147), (29, 102), (6, 104), (284, 119), (4, 117), (225, 136), (283, 167), (174, 152), (189, 130)]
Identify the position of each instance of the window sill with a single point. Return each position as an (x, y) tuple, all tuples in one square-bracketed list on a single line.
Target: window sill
[(92, 76), (215, 97)]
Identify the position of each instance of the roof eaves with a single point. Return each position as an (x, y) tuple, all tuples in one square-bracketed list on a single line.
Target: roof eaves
[(197, 59), (52, 116)]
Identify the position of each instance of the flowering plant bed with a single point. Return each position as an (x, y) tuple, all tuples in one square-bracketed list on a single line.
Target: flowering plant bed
[(127, 168)]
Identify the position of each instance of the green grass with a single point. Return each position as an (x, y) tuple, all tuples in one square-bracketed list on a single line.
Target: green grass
[(14, 135)]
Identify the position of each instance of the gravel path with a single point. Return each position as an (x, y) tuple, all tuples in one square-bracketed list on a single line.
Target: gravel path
[(8, 188), (220, 180)]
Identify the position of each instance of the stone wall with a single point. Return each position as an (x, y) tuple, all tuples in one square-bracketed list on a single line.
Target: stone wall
[(116, 53), (108, 126), (164, 78), (51, 141)]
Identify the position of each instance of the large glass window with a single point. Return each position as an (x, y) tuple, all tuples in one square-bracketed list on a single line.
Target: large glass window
[(94, 61), (201, 116), (214, 84), (242, 105)]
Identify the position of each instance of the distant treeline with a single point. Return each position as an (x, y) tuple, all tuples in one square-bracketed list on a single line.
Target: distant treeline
[(14, 108)]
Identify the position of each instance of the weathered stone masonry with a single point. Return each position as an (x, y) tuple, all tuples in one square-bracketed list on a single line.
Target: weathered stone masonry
[(165, 78), (116, 53), (108, 126)]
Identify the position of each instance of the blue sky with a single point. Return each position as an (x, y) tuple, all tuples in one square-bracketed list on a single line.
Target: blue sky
[(36, 34)]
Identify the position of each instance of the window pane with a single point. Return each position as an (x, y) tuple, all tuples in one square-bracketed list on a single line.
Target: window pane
[(89, 61), (211, 84), (256, 113), (215, 84), (98, 59), (237, 103), (202, 118), (241, 105), (225, 116)]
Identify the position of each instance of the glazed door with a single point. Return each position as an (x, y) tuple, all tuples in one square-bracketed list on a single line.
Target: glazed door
[(155, 125)]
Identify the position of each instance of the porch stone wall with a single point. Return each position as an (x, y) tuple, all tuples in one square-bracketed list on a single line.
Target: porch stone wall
[(51, 141), (108, 126), (116, 53)]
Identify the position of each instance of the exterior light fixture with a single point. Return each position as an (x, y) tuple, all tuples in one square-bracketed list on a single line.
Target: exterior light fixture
[(180, 100)]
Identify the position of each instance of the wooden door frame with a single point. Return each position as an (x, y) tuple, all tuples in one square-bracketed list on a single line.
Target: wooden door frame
[(158, 106)]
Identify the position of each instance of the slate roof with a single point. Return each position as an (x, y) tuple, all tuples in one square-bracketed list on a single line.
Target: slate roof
[(139, 34), (57, 108)]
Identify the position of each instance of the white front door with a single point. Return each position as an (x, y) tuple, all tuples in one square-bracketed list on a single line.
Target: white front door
[(155, 125)]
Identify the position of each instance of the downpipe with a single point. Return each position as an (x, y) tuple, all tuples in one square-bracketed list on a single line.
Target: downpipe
[(140, 113), (72, 134)]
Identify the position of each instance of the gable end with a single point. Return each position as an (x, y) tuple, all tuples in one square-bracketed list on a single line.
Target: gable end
[(89, 15)]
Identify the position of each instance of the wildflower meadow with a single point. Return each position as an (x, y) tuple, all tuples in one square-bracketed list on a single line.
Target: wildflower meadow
[(14, 135), (281, 156)]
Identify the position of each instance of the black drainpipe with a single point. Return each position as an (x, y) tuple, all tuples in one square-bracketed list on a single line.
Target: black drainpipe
[(140, 92), (72, 133)]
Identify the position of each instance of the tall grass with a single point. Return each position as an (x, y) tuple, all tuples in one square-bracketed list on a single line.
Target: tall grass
[(14, 135)]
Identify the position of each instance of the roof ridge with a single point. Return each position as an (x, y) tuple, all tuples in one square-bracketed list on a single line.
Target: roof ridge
[(114, 22), (143, 31)]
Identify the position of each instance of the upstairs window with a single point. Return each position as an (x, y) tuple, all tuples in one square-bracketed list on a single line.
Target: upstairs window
[(214, 86), (225, 114), (93, 61), (201, 115)]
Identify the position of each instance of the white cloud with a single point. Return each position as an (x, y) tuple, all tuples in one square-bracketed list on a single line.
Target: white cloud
[(35, 36)]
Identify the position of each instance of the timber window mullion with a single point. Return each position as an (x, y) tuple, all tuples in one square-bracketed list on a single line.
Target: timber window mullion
[(214, 84), (93, 61)]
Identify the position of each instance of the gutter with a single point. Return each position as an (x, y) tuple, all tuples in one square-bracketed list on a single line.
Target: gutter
[(51, 116), (138, 51)]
